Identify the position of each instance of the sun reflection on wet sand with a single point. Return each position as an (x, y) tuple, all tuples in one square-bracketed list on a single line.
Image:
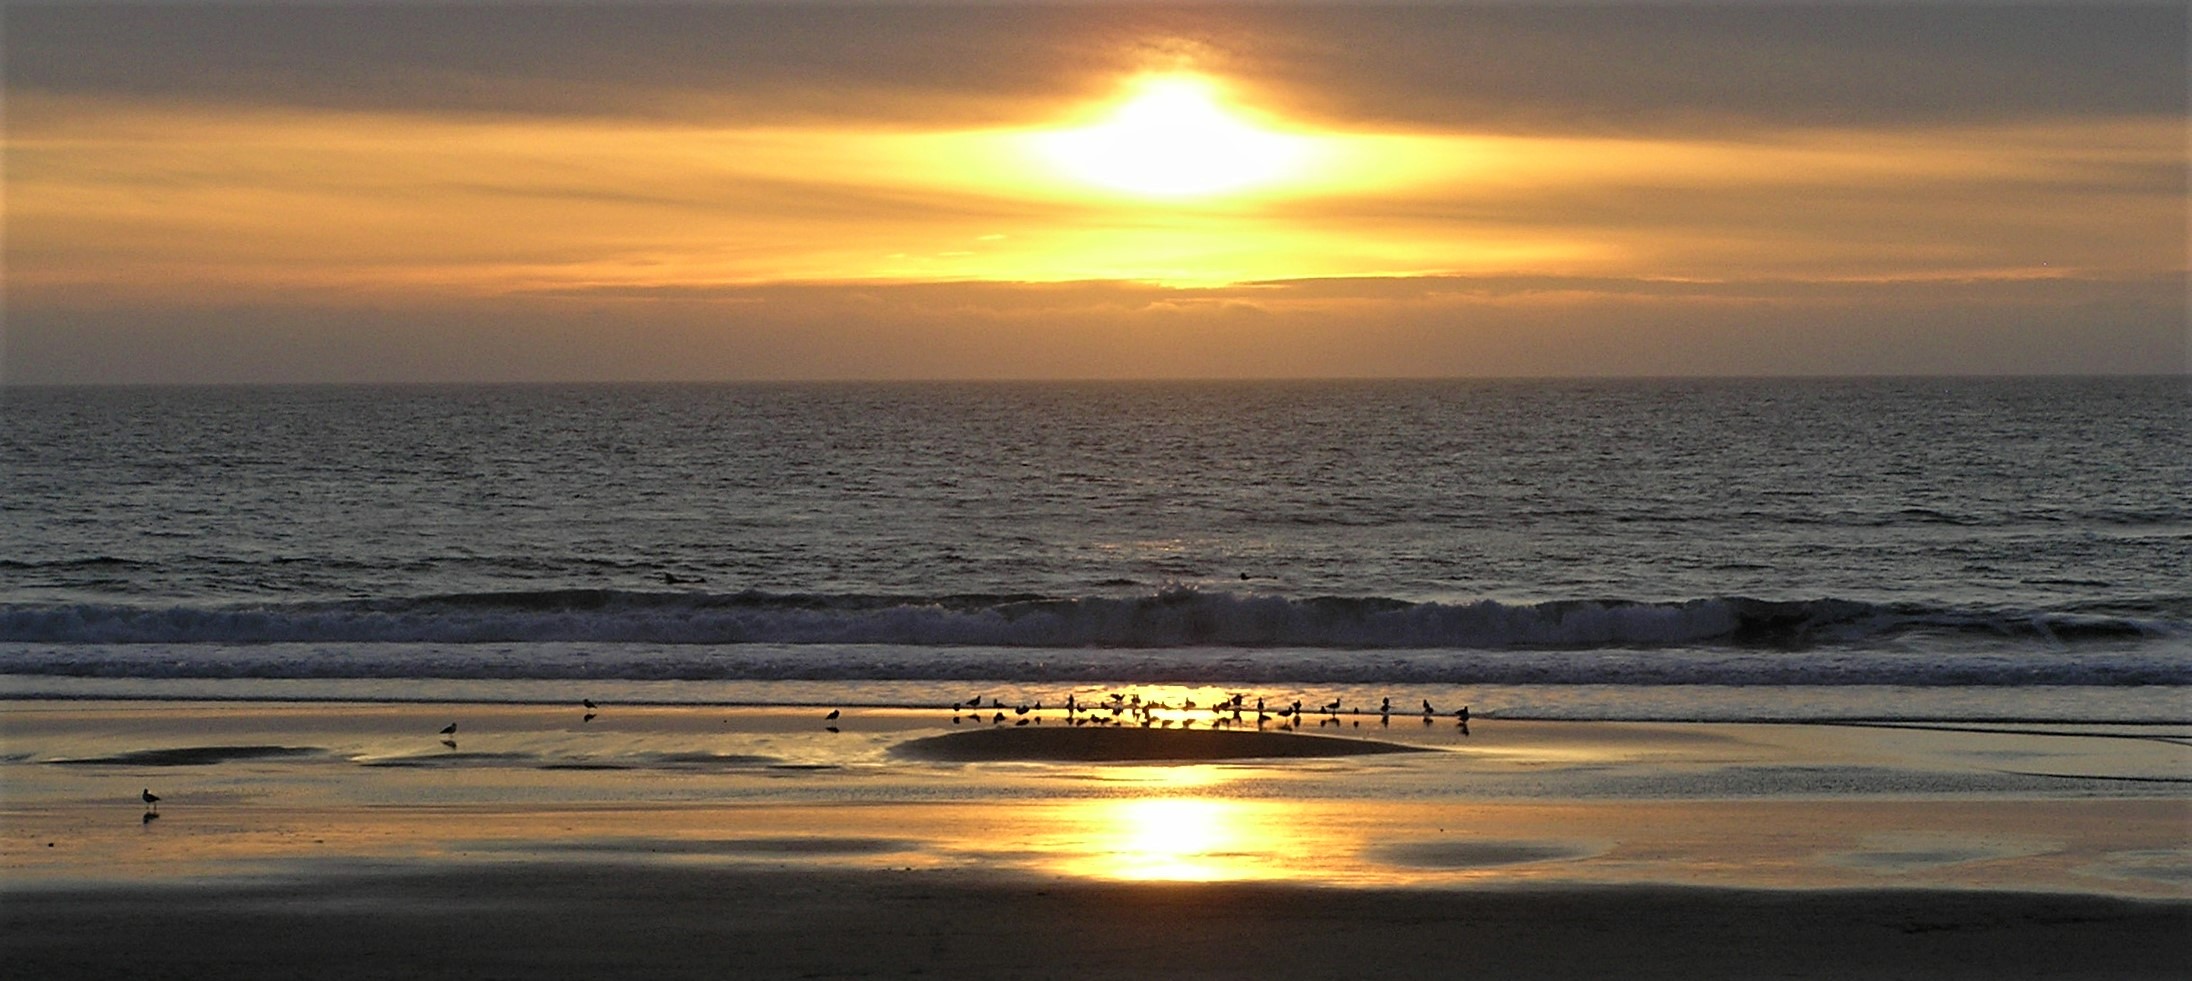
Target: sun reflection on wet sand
[(1174, 839), (252, 789)]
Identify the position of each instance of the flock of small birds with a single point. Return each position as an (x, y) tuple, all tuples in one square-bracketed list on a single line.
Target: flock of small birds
[(1121, 709), (1118, 709)]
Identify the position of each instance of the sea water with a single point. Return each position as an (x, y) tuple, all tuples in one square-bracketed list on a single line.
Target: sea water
[(1906, 549)]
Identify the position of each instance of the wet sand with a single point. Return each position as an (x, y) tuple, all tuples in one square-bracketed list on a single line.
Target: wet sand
[(346, 840), (587, 921)]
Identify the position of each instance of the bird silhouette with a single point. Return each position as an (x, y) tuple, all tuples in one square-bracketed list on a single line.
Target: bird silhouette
[(832, 717), (449, 730), (152, 800), (588, 702)]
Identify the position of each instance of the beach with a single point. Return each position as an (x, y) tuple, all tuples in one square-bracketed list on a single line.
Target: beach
[(1095, 490), (350, 840)]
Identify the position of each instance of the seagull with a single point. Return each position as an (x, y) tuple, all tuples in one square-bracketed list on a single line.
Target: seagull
[(449, 730), (588, 702), (1462, 713), (830, 717), (1427, 707), (152, 800)]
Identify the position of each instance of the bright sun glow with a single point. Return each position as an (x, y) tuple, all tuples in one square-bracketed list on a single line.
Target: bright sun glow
[(1175, 138)]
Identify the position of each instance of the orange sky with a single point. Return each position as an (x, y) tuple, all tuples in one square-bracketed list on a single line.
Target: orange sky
[(293, 194)]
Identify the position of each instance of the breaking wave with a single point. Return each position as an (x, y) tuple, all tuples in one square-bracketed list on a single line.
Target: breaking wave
[(1165, 619)]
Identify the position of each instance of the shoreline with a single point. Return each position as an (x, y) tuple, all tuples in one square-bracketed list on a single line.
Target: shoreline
[(356, 840), (1617, 803)]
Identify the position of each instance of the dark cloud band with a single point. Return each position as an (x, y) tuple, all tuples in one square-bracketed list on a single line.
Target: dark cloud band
[(1516, 67)]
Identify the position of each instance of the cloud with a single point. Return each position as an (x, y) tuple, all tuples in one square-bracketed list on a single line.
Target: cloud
[(1395, 327), (497, 192)]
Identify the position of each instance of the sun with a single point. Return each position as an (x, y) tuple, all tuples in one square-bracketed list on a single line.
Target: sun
[(1175, 136)]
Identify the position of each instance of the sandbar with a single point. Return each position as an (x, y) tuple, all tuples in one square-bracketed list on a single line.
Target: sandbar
[(1116, 744)]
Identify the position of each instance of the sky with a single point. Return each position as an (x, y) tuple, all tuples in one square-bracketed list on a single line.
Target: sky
[(637, 191)]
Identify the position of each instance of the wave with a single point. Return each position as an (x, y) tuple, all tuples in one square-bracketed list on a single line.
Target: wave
[(1169, 618), (889, 672)]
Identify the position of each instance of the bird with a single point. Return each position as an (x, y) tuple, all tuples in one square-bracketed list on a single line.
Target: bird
[(449, 730), (1333, 707), (1427, 707), (830, 717), (588, 702), (152, 800), (1462, 713)]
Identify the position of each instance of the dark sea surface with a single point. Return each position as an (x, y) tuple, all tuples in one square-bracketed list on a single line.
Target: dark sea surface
[(1879, 549)]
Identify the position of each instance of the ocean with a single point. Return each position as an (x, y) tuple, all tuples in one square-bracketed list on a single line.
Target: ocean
[(1920, 550)]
